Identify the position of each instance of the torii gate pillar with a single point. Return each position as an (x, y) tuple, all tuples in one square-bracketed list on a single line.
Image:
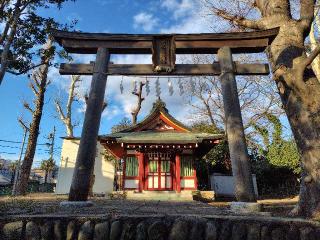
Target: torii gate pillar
[(79, 189), (241, 171)]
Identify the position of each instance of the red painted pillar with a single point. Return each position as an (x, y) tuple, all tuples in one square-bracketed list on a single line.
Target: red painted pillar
[(141, 171), (178, 180), (145, 180), (124, 172), (195, 174)]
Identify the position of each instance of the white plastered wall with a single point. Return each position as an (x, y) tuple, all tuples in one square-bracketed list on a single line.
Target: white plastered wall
[(103, 169)]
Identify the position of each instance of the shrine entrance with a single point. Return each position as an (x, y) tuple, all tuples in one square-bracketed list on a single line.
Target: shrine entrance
[(159, 170), (164, 48)]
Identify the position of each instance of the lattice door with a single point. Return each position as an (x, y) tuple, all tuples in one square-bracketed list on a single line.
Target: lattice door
[(160, 168)]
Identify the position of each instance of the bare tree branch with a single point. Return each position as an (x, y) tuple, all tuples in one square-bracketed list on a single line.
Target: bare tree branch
[(137, 109), (28, 107), (306, 13), (23, 124), (86, 99), (312, 56), (105, 104), (26, 70), (34, 90), (237, 20), (57, 103), (240, 21)]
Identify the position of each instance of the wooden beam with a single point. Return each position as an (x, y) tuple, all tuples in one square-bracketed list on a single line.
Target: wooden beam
[(180, 69), (203, 43), (182, 47)]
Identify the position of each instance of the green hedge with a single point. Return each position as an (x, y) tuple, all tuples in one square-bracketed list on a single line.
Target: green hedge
[(33, 187)]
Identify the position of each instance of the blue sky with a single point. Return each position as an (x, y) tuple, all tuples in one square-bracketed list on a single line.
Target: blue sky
[(115, 16), (125, 16)]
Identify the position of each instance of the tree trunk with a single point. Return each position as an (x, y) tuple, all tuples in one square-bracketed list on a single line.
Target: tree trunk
[(32, 140), (66, 117), (71, 98), (136, 111), (13, 176), (34, 128), (297, 84), (9, 40), (46, 176), (299, 90)]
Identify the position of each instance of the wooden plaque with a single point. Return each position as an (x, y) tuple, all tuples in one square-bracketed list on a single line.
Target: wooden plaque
[(163, 54)]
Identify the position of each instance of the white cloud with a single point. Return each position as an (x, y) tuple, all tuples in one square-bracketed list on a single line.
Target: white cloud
[(146, 21), (193, 20), (169, 4), (179, 9), (191, 17), (103, 2)]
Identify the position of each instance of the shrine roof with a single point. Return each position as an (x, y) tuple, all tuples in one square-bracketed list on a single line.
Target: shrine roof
[(159, 107), (147, 131), (165, 137)]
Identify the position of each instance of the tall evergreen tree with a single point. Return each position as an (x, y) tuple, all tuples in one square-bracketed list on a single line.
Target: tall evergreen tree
[(24, 29)]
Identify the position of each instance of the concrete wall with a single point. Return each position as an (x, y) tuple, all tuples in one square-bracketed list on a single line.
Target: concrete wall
[(103, 169), (223, 185)]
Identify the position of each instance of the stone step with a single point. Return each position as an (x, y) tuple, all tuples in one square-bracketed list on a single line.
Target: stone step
[(160, 195)]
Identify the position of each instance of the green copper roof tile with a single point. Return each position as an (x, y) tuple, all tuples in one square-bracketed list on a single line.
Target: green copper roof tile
[(162, 137)]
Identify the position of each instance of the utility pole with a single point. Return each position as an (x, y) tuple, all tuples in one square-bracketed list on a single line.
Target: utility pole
[(51, 138), (17, 170), (51, 144)]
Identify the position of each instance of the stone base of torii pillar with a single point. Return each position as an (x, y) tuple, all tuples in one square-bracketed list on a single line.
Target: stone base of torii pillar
[(245, 207), (75, 204)]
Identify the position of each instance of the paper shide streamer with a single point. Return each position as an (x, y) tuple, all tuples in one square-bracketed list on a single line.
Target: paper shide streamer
[(192, 85), (121, 86), (181, 90), (134, 86), (147, 86), (158, 90), (170, 86)]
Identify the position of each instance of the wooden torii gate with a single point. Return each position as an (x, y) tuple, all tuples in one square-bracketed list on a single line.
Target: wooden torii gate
[(164, 48)]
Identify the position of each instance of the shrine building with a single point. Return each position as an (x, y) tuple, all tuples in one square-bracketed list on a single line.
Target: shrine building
[(157, 154)]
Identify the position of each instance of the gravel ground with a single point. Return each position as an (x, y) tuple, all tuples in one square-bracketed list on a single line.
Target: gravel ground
[(36, 204)]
